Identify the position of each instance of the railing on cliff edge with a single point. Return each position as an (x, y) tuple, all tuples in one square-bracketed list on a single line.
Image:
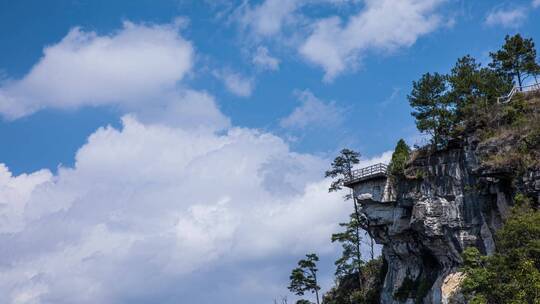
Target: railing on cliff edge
[(516, 89), (377, 170)]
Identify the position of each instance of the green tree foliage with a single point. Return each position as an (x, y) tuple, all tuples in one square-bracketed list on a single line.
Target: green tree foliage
[(349, 291), (512, 275), (350, 240), (444, 103), (465, 80), (304, 277), (517, 58), (474, 88), (433, 110), (341, 169), (400, 157)]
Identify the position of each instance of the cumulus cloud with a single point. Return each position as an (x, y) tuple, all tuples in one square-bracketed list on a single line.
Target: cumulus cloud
[(14, 193), (185, 108), (313, 112), (264, 60), (147, 208), (236, 83), (384, 25), (130, 67), (511, 18)]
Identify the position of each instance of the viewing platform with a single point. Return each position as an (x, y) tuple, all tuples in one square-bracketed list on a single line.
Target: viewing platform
[(368, 173)]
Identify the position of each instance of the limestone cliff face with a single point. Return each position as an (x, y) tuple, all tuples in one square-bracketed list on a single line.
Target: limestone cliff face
[(448, 202)]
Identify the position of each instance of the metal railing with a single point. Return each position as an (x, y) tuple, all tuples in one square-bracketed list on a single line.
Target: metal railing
[(367, 172), (516, 89)]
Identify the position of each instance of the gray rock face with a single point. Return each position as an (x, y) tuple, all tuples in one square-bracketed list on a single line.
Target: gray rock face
[(425, 222)]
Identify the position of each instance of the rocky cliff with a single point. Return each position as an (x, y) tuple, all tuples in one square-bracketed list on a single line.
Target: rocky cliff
[(448, 200)]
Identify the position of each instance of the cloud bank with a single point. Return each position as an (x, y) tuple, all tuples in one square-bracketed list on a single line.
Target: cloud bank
[(147, 207), (176, 204)]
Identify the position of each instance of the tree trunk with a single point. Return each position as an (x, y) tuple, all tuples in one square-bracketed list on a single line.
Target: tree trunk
[(358, 253), (372, 245), (316, 287), (519, 77)]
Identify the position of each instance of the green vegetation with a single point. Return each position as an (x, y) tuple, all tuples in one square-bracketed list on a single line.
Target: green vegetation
[(432, 107), (447, 105), (512, 275), (304, 278), (348, 290), (517, 58), (400, 157), (350, 260), (341, 169), (454, 107)]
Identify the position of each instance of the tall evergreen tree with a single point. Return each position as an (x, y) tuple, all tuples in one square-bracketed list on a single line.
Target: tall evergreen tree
[(433, 109), (465, 82), (341, 170), (304, 277), (516, 58), (350, 239), (399, 158)]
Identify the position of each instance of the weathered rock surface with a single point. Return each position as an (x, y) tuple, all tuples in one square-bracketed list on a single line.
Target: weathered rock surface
[(424, 222)]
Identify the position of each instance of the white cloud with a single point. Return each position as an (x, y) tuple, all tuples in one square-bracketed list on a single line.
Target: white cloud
[(236, 83), (267, 19), (337, 42), (147, 207), (384, 158), (313, 112), (188, 109), (511, 18), (127, 68), (382, 25), (536, 3), (14, 193), (264, 60)]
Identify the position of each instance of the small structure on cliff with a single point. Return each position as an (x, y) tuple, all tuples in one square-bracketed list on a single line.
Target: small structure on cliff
[(519, 89), (369, 182)]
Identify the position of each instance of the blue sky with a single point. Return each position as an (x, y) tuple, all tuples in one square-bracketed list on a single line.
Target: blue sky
[(178, 125)]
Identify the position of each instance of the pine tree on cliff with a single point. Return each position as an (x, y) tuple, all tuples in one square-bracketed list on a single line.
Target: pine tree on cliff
[(433, 110), (341, 170), (350, 260), (517, 58), (304, 278)]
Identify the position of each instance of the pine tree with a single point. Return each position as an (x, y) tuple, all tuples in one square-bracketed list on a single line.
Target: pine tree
[(517, 58), (433, 109), (350, 261), (304, 277), (341, 169)]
